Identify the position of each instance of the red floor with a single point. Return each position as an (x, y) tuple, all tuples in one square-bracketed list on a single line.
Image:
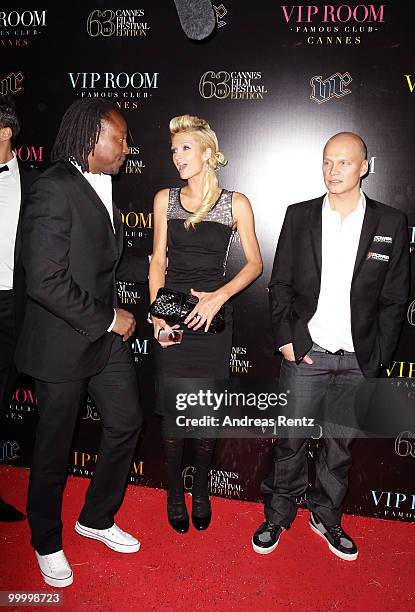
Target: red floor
[(216, 569)]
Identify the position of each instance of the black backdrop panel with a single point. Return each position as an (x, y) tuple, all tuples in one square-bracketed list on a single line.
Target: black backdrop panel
[(275, 81)]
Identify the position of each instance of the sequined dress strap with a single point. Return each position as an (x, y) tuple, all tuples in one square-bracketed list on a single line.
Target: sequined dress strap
[(220, 213)]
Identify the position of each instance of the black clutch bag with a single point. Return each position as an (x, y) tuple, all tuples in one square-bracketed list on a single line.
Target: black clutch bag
[(174, 306)]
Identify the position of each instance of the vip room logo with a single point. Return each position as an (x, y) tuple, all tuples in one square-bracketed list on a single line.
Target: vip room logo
[(410, 81), (239, 362), (82, 463), (23, 406), (334, 86), (128, 90), (345, 24), (19, 27), (401, 369), (134, 163), (235, 85), (393, 504), (137, 225), (11, 83), (30, 153), (140, 348), (122, 23), (220, 12)]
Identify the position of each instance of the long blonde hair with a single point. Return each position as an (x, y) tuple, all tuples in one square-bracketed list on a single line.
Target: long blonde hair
[(207, 139)]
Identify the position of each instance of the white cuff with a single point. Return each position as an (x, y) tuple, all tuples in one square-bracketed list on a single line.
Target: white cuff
[(113, 321), (283, 346)]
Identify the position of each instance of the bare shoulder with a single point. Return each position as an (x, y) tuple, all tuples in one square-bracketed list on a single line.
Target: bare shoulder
[(241, 206), (240, 199), (161, 199)]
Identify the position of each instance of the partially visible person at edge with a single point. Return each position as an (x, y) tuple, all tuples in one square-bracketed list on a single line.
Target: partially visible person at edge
[(15, 180), (338, 291), (74, 338), (195, 225)]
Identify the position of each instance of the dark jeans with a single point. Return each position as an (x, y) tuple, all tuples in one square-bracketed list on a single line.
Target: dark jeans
[(115, 393), (326, 391)]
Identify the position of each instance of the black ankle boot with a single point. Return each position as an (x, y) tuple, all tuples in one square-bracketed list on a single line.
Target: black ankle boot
[(177, 513), (201, 509), (201, 512)]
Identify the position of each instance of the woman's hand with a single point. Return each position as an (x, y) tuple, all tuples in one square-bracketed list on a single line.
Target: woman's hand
[(208, 305), (159, 324)]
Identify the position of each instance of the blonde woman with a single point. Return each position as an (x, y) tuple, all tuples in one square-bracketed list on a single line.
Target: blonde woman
[(195, 224)]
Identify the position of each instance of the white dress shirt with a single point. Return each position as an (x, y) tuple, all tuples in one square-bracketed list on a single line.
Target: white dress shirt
[(102, 185), (330, 327), (10, 196)]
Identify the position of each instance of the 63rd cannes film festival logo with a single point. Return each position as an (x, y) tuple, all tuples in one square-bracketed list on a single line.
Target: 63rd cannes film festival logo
[(117, 22), (234, 85), (342, 24)]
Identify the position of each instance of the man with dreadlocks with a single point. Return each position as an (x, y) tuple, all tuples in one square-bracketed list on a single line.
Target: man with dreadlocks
[(73, 339)]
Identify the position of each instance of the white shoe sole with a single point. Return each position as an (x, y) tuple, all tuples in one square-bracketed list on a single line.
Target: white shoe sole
[(122, 548), (334, 550), (264, 551), (58, 582)]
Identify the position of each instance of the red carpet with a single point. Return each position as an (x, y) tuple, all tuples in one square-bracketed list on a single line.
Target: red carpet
[(216, 569)]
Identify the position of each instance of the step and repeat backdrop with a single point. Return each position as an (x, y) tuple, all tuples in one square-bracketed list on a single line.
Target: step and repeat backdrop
[(275, 81)]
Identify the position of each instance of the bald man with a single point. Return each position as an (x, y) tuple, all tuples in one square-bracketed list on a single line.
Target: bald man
[(338, 292)]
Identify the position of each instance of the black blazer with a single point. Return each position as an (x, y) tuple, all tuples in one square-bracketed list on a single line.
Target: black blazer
[(71, 258), (379, 290), (27, 174)]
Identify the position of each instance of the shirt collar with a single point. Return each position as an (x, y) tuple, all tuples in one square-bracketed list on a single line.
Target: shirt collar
[(104, 179), (360, 208), (12, 166)]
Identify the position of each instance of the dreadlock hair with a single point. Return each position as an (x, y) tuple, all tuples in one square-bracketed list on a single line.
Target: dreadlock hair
[(80, 130), (8, 116)]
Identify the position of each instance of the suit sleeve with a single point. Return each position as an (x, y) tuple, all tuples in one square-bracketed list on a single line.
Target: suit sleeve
[(133, 269), (280, 287), (46, 234), (395, 292)]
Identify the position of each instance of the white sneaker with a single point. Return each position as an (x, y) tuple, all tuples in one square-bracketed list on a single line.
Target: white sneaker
[(113, 537), (55, 569)]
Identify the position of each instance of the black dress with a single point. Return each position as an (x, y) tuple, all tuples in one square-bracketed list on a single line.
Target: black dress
[(197, 259)]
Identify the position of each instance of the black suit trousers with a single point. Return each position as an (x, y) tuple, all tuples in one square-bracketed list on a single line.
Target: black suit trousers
[(329, 391), (115, 393), (8, 372)]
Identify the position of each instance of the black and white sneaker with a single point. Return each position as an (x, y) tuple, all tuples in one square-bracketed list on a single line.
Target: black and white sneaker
[(339, 542), (266, 538)]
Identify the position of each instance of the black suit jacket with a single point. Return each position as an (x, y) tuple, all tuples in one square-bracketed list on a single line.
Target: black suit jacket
[(379, 290), (27, 175), (71, 258)]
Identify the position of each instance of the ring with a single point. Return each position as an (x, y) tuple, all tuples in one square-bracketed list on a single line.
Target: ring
[(197, 318)]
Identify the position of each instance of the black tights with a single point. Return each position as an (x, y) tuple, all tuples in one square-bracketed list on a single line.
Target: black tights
[(203, 450)]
